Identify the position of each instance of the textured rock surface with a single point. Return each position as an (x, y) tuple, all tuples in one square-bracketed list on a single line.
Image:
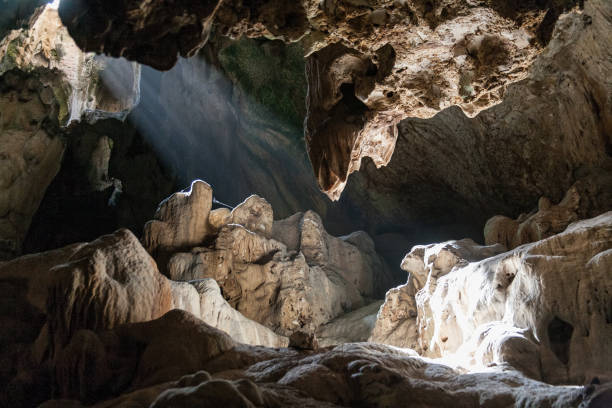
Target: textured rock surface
[(106, 283), (47, 82), (372, 63), (181, 220), (350, 327), (288, 275), (547, 301), (31, 152), (215, 311), (87, 85), (211, 369), (584, 199), (551, 130)]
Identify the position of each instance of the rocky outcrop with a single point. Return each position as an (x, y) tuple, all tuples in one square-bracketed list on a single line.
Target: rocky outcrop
[(30, 154), (584, 199), (47, 82), (108, 282), (371, 64), (347, 375), (510, 309), (351, 327), (181, 220), (551, 130), (288, 275), (87, 85)]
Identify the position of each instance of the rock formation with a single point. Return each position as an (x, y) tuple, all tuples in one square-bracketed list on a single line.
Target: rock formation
[(47, 82), (288, 275), (584, 199), (450, 173), (209, 368), (547, 301), (440, 55), (469, 108)]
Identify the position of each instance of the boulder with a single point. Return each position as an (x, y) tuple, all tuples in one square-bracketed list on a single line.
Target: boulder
[(181, 220), (255, 214), (106, 283), (510, 308)]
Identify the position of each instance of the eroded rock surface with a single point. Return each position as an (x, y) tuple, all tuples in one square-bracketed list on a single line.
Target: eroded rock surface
[(371, 64), (211, 369), (289, 275), (543, 302), (551, 130), (584, 199), (46, 83)]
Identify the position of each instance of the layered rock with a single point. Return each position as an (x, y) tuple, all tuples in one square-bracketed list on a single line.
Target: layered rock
[(289, 275), (510, 309)]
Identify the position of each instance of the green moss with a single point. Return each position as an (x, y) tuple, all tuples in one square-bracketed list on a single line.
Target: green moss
[(12, 50), (271, 73), (62, 99)]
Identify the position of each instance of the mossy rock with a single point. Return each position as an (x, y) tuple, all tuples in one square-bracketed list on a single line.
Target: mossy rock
[(271, 73)]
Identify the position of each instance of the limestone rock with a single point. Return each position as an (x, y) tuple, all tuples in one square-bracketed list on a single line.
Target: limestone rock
[(430, 188), (303, 341), (86, 85), (370, 64), (353, 257), (106, 283), (215, 311), (355, 326), (549, 220), (396, 321), (181, 220), (347, 375), (218, 218), (255, 214), (46, 82), (31, 152), (299, 284), (512, 308)]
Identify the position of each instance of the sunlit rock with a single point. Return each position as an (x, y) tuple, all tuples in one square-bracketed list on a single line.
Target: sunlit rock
[(107, 282), (289, 275), (181, 220), (255, 214), (215, 311), (210, 369), (544, 301), (218, 218), (550, 129), (85, 85), (370, 64), (47, 82)]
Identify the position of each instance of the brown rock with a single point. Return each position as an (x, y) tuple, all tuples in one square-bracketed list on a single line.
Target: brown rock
[(255, 214), (303, 341), (181, 220), (513, 308), (106, 283)]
